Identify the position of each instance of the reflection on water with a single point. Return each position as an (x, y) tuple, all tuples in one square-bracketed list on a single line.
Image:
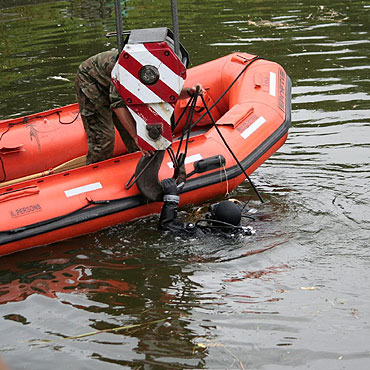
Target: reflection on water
[(291, 295), (108, 288), (113, 280)]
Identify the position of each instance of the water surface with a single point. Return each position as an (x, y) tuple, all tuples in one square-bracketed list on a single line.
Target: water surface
[(295, 295)]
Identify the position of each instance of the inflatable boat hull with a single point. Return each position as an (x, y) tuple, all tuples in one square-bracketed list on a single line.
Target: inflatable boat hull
[(253, 117)]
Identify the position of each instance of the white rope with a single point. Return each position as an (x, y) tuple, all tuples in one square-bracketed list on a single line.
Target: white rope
[(227, 181)]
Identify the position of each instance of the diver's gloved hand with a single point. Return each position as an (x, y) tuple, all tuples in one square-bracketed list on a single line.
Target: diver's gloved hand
[(170, 190), (169, 187)]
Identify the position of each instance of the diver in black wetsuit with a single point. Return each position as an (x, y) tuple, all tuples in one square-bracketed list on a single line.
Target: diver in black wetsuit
[(223, 217)]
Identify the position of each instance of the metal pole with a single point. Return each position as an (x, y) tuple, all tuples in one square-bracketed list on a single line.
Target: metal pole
[(175, 26), (119, 26)]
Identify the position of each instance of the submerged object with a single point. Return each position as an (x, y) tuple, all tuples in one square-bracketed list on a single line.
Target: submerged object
[(248, 98)]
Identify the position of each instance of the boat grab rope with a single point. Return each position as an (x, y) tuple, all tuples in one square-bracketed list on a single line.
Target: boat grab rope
[(51, 220), (25, 121), (67, 123), (1, 157), (3, 168)]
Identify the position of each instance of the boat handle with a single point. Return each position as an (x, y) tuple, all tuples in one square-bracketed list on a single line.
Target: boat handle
[(11, 149), (19, 193)]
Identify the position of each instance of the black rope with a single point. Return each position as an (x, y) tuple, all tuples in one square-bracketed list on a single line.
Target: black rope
[(230, 150), (67, 123), (3, 168), (172, 156), (193, 99), (181, 115), (250, 217), (1, 158), (130, 183), (1, 137), (220, 226), (191, 115), (212, 223), (179, 158), (208, 111), (28, 119), (228, 89), (187, 126)]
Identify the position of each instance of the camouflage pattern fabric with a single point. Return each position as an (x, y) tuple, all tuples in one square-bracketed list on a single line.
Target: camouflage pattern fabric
[(97, 97)]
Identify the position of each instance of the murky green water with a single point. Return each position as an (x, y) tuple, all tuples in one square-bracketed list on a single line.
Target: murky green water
[(295, 295)]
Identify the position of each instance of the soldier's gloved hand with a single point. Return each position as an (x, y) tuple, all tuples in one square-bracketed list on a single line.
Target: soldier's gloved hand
[(169, 187)]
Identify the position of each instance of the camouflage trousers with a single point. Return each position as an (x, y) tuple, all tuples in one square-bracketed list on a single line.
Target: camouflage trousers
[(99, 127)]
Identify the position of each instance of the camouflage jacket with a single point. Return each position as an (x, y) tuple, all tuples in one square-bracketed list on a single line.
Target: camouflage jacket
[(94, 79)]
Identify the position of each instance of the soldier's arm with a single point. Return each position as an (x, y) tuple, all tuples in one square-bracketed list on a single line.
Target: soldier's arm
[(127, 121), (129, 124), (118, 106)]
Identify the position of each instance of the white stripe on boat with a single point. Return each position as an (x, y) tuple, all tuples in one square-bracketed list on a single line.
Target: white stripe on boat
[(272, 83), (83, 189), (253, 127), (190, 159)]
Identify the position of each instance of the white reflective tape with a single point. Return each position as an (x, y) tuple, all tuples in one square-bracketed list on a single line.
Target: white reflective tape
[(253, 127), (190, 159), (83, 189), (145, 57), (134, 86), (272, 83), (160, 144)]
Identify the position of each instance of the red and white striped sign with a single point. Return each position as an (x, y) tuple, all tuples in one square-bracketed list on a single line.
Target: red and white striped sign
[(150, 104)]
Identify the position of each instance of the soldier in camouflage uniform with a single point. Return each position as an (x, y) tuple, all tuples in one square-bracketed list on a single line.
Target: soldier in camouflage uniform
[(100, 105), (102, 108)]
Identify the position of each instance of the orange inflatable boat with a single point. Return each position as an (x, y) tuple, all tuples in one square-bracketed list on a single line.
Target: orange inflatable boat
[(43, 141), (42, 200)]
